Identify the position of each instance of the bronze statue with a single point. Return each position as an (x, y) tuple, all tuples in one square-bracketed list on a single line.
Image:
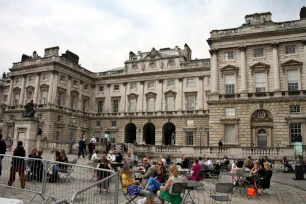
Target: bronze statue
[(29, 110)]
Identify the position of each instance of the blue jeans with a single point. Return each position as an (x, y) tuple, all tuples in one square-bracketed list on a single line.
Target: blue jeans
[(56, 169), (154, 185)]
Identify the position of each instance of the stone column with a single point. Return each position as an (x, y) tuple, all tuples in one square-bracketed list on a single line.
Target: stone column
[(9, 96), (142, 97), (200, 97), (276, 70), (54, 88), (304, 63), (22, 90), (124, 99), (161, 81), (50, 88), (35, 97), (68, 92), (80, 96), (92, 99), (244, 87), (181, 79), (214, 71), (109, 99)]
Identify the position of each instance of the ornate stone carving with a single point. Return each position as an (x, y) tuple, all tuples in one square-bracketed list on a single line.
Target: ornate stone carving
[(213, 51), (242, 48), (152, 65), (134, 66), (171, 63), (274, 45), (124, 83), (201, 77), (180, 78), (160, 81)]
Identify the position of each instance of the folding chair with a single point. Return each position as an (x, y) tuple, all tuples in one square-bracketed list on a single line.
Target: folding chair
[(223, 193), (69, 170), (178, 189), (216, 174)]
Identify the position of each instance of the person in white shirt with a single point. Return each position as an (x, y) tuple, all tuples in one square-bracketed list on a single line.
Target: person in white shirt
[(111, 157), (95, 157), (93, 140), (208, 163)]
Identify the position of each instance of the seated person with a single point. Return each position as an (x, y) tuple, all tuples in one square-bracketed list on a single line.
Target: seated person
[(238, 165), (129, 186), (268, 160), (168, 160), (288, 167), (155, 183), (195, 171), (111, 157), (60, 167), (264, 180), (184, 163), (248, 163), (150, 173), (94, 157), (208, 165), (225, 163), (164, 194), (256, 167), (145, 165), (119, 157), (39, 167), (134, 159)]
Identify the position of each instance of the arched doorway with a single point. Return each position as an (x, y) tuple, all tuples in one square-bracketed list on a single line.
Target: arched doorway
[(262, 138), (149, 133), (130, 133), (169, 134)]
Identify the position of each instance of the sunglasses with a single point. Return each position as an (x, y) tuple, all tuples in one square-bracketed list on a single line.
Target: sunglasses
[(160, 164)]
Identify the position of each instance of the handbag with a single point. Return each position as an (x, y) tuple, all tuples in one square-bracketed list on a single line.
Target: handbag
[(253, 191)]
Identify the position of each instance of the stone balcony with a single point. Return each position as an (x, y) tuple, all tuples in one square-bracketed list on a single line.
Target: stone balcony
[(274, 153)]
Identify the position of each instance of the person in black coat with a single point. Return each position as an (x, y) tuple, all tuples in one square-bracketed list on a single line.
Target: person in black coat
[(264, 181), (81, 148), (2, 151), (90, 149), (18, 165)]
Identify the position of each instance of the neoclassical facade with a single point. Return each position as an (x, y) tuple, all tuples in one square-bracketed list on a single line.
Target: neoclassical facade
[(251, 93)]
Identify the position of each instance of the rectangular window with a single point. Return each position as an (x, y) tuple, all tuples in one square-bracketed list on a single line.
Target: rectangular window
[(116, 87), (98, 123), (191, 82), (84, 104), (10, 132), (5, 98), (228, 55), (73, 102), (63, 78), (86, 87), (229, 134), (45, 77), (115, 106), (290, 49), (189, 138), (258, 52), (101, 88), (72, 135), (230, 84), (293, 80), (260, 79), (151, 85), (229, 111), (100, 106), (31, 78), (44, 95), (59, 118), (295, 109), (16, 99), (114, 123), (58, 135), (296, 132), (74, 82), (190, 103), (170, 83), (170, 103), (133, 86), (132, 105), (60, 98), (151, 104)]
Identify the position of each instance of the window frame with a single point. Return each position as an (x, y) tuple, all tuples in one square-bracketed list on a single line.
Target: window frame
[(257, 49), (101, 87), (290, 45), (113, 105), (226, 55), (170, 86), (148, 106), (294, 85), (194, 102), (228, 112), (130, 107), (225, 139), (227, 86), (190, 137), (116, 86), (191, 85), (133, 86), (295, 109), (151, 82), (296, 133)]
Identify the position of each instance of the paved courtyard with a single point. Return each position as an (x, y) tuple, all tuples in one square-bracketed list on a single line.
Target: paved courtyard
[(283, 190)]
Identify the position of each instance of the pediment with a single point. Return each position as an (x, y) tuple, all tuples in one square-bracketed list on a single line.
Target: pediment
[(30, 87), (228, 68), (153, 54), (132, 95), (16, 89), (291, 62), (151, 94), (259, 65), (44, 86), (170, 92)]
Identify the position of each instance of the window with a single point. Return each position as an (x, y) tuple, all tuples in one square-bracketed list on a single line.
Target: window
[(5, 98), (151, 85), (295, 109), (290, 49), (63, 78), (29, 95), (228, 55), (258, 52), (190, 103), (74, 82), (101, 88), (17, 80), (170, 103), (114, 123), (295, 132), (10, 132), (86, 87), (170, 83), (44, 95), (58, 135), (189, 138), (100, 106), (293, 81), (73, 101), (229, 134), (260, 79), (132, 105), (16, 99), (230, 84), (72, 135), (84, 104), (45, 76), (59, 118), (115, 105), (229, 111), (191, 82), (60, 98), (132, 86), (31, 78), (116, 87), (98, 123), (151, 104)]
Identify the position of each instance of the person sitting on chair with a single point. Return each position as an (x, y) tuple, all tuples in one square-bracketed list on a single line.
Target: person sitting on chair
[(264, 181), (145, 165), (184, 163), (288, 167), (94, 157), (195, 171)]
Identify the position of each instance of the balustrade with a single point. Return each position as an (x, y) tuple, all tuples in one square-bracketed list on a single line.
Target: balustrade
[(268, 151)]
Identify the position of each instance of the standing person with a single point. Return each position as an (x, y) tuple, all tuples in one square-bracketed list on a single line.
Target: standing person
[(2, 151), (103, 174), (32, 163), (90, 149), (81, 148), (85, 145), (220, 143), (18, 165)]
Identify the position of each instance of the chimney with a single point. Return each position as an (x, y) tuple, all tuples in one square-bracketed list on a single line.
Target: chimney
[(303, 12)]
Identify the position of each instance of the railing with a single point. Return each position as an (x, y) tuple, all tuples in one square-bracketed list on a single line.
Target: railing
[(289, 24), (167, 149), (261, 151), (58, 181)]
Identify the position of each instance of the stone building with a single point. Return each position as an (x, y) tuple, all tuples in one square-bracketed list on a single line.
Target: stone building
[(158, 97), (258, 83)]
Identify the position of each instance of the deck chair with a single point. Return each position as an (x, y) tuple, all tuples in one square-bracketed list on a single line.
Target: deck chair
[(223, 193), (130, 198), (177, 189), (67, 174)]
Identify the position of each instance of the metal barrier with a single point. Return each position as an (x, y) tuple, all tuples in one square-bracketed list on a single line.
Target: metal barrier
[(59, 181)]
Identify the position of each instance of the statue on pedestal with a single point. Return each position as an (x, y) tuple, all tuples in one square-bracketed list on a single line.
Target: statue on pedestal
[(29, 110)]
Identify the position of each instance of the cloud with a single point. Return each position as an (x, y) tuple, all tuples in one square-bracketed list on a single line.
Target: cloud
[(103, 32)]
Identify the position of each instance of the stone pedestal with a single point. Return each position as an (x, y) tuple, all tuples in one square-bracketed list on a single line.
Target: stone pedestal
[(26, 131)]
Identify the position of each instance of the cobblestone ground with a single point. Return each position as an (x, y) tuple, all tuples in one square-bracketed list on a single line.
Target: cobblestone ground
[(278, 193)]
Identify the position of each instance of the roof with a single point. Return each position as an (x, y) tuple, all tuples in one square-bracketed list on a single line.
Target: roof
[(115, 69)]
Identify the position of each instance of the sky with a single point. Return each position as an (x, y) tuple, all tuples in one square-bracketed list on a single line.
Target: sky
[(103, 32)]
